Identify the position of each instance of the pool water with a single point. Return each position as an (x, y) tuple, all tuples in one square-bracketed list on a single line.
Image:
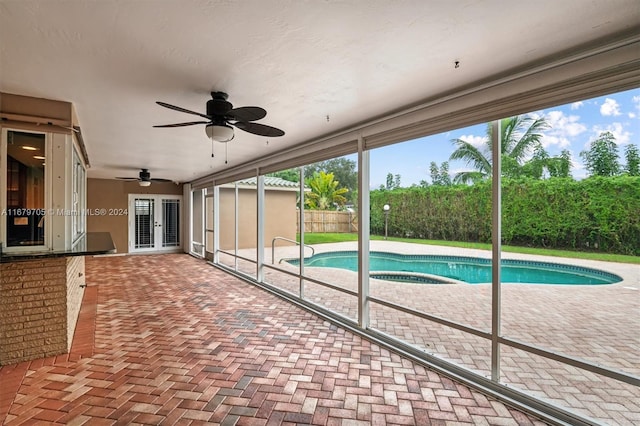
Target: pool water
[(468, 269)]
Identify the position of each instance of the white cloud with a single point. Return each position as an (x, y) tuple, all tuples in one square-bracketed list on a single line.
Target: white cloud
[(617, 129), (610, 107), (577, 105), (563, 128), (578, 171), (474, 140), (549, 140), (568, 125), (636, 104)]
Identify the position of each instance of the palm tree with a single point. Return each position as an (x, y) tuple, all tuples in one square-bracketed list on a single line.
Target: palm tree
[(520, 135), (325, 194)]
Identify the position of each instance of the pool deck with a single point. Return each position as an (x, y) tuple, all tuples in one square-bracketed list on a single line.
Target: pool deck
[(170, 340), (596, 323)]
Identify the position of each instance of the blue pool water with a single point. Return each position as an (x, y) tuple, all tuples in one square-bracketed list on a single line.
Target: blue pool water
[(468, 269)]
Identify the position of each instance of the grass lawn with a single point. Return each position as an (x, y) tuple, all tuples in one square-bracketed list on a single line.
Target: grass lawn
[(314, 238)]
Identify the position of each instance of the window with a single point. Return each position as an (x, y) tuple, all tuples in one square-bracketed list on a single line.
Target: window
[(24, 197), (78, 198)]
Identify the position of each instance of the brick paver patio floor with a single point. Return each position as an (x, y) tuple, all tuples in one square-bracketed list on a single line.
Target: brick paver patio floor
[(597, 323), (166, 339)]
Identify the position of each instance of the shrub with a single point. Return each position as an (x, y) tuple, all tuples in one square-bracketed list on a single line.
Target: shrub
[(597, 214)]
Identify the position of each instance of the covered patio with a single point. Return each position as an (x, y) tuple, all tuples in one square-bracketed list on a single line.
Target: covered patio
[(166, 339)]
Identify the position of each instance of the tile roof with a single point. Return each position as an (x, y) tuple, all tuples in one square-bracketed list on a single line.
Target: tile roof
[(270, 181)]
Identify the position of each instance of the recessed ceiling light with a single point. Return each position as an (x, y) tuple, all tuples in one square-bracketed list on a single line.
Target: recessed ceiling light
[(29, 148), (38, 157)]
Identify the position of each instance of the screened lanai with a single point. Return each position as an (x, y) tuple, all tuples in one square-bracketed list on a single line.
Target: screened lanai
[(539, 345), (211, 306)]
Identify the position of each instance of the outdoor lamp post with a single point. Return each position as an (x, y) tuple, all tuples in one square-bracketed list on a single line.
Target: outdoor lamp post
[(386, 208)]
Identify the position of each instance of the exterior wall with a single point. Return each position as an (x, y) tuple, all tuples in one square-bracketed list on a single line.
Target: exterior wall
[(247, 219), (33, 309), (113, 194), (75, 292), (280, 214), (280, 217), (227, 217)]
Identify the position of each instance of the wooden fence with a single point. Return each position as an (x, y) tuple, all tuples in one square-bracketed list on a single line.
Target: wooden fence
[(328, 221)]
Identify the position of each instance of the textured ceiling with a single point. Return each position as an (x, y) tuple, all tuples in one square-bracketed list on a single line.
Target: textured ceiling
[(315, 66)]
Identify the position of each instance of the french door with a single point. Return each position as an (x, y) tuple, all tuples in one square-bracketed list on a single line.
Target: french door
[(154, 222)]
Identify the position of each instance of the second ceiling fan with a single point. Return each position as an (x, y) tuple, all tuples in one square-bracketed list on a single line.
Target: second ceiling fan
[(144, 178)]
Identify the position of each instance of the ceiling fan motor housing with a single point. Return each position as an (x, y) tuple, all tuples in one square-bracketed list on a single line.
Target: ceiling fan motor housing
[(145, 175), (218, 107)]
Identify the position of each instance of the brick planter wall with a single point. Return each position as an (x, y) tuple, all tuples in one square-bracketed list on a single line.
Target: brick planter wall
[(75, 291), (39, 304)]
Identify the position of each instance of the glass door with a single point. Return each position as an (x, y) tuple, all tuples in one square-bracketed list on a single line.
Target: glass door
[(144, 223), (170, 224), (154, 223)]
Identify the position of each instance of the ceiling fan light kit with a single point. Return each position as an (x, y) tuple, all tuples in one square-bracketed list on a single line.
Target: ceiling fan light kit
[(144, 183), (219, 132)]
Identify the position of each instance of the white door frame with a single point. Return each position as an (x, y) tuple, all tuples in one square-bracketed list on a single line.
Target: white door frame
[(158, 225)]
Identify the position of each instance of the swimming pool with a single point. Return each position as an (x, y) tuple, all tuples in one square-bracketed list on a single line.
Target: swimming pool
[(449, 269)]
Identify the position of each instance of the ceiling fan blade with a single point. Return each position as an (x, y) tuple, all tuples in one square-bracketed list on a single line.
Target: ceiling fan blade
[(249, 113), (177, 108), (259, 129), (190, 123), (160, 180), (127, 178)]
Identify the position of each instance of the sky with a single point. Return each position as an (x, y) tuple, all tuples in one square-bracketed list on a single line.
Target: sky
[(573, 127)]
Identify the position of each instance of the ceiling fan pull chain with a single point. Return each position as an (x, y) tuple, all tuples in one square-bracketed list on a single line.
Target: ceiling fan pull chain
[(212, 148), (226, 149)]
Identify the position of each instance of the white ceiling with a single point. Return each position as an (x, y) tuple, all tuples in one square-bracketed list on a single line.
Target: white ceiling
[(350, 60)]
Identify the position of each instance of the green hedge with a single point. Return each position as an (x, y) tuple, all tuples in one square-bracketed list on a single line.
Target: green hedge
[(595, 214)]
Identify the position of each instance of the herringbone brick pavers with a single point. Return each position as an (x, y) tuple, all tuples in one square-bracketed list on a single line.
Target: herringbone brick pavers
[(598, 324), (179, 342)]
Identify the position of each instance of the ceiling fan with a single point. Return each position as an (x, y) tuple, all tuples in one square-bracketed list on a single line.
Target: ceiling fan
[(144, 178), (221, 116)]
